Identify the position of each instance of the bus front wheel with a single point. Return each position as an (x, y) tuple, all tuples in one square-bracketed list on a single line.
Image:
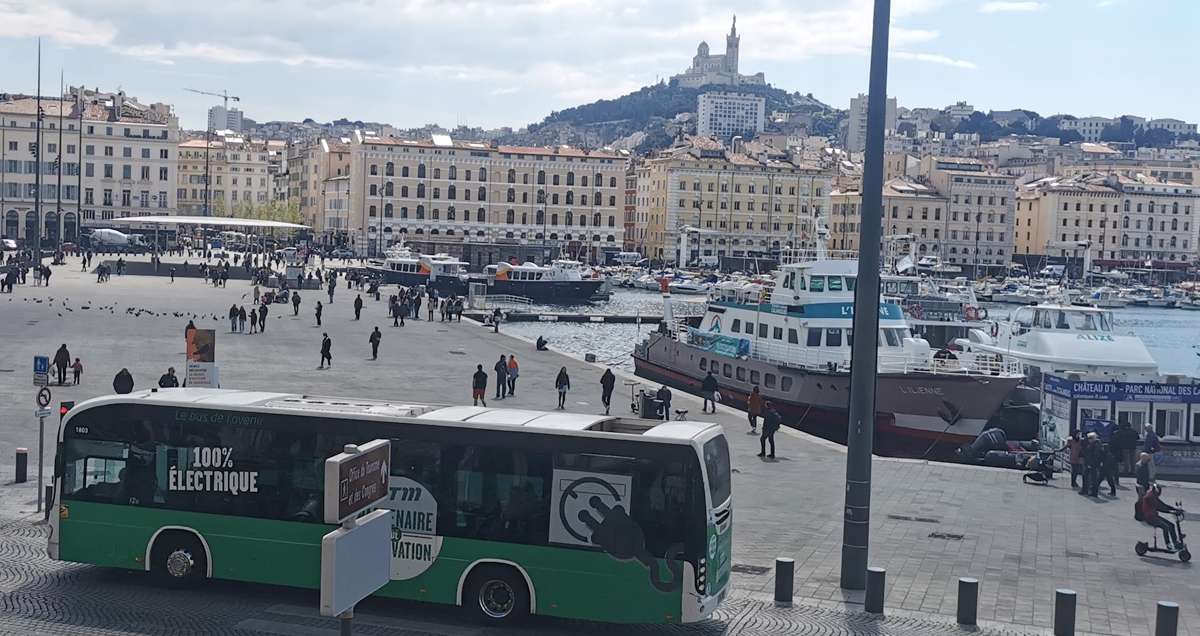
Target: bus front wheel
[(496, 594), (178, 559)]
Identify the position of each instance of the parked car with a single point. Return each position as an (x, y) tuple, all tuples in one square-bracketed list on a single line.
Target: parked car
[(342, 252)]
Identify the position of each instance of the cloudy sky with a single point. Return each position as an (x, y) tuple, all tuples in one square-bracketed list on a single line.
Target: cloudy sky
[(510, 62)]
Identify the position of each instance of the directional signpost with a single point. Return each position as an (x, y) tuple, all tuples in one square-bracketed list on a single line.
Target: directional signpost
[(41, 378), (353, 565), (41, 370)]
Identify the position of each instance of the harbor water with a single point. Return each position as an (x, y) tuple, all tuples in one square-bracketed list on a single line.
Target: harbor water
[(1171, 335)]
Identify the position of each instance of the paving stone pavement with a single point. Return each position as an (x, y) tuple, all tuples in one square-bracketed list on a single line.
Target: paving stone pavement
[(931, 522)]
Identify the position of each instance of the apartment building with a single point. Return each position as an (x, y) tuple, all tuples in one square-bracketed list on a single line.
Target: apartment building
[(238, 171), (699, 202), (1090, 128), (910, 209), (118, 160), (727, 115), (311, 164), (979, 232), (484, 203), (1056, 211), (1158, 222), (856, 123), (635, 237)]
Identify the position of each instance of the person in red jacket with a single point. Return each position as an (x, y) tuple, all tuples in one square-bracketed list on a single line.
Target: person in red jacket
[(1151, 506)]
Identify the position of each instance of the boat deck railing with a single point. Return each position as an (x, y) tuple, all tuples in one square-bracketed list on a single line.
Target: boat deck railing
[(491, 301), (837, 360)]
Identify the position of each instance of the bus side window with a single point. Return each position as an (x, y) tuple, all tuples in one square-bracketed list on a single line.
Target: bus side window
[(498, 494), (660, 505), (419, 460), (95, 470)]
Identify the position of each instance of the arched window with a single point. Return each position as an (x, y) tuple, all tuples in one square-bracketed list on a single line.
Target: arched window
[(524, 218), (482, 194), (554, 199), (437, 192), (582, 220), (612, 182), (1172, 241), (1175, 208), (403, 212), (420, 171), (450, 216), (554, 179), (510, 217), (390, 169), (373, 190), (1174, 224), (596, 219), (483, 174), (511, 196), (541, 197), (374, 169), (612, 221), (583, 200), (598, 199), (570, 178), (554, 236), (389, 189), (1126, 205), (420, 190), (612, 201), (453, 172), (437, 173), (599, 180), (481, 215), (512, 175), (541, 177), (554, 221), (372, 212), (570, 218), (524, 197), (451, 192), (387, 210), (403, 191), (404, 171), (583, 180), (570, 197), (1125, 241), (508, 235), (1125, 221), (1151, 207), (437, 214), (420, 212), (539, 218), (610, 238)]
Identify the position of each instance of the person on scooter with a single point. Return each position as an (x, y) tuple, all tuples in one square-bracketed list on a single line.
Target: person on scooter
[(1151, 506)]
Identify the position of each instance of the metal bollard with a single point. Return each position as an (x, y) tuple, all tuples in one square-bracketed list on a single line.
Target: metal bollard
[(968, 600), (1064, 612), (1166, 623), (785, 576), (876, 579), (49, 501), (22, 466)]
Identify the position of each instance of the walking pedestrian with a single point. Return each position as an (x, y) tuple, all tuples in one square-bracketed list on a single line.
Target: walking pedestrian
[(172, 273), (607, 382), (1126, 440), (708, 391), (771, 422), (233, 314), (1093, 456), (431, 305), (754, 408), (241, 319), (1151, 444), (416, 306), (295, 303), (563, 383), (262, 319), (76, 371), (496, 319), (331, 287), (253, 320), (326, 351), (319, 309), (501, 368), (479, 386), (62, 360), (1141, 472), (1075, 457), (1110, 465), (257, 293), (123, 382), (168, 379), (374, 340), (358, 303), (513, 371)]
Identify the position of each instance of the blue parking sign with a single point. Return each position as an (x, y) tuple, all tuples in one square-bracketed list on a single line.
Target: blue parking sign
[(41, 364)]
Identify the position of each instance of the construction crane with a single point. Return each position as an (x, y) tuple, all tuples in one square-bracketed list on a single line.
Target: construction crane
[(224, 94)]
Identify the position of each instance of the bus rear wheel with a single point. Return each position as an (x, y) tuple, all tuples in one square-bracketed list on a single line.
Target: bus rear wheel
[(178, 559), (496, 594)]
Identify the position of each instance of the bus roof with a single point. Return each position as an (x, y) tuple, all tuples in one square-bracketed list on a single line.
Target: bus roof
[(546, 421)]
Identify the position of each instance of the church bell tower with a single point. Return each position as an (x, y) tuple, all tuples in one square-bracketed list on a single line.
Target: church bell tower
[(731, 48)]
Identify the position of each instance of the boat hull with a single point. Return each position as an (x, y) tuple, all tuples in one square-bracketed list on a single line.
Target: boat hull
[(917, 414), (551, 292)]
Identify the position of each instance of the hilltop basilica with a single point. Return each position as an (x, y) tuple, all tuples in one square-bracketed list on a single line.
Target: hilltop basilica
[(717, 69)]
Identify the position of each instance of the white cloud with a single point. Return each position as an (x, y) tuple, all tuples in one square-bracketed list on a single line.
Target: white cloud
[(264, 51), (1104, 4), (22, 19), (1006, 6), (934, 58)]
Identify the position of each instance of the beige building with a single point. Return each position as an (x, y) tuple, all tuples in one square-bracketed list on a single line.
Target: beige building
[(699, 202), (238, 170), (979, 231), (118, 160), (910, 209), (1158, 221), (311, 165), (485, 203)]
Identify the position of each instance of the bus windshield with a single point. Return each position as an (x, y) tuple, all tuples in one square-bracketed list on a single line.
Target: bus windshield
[(716, 464)]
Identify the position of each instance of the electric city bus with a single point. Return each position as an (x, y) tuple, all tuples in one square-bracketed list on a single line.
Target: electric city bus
[(504, 512)]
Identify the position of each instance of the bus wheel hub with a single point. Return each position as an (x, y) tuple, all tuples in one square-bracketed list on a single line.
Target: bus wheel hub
[(496, 598), (179, 563)]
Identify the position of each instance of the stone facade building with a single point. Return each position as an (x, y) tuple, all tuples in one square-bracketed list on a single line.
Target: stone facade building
[(708, 68)]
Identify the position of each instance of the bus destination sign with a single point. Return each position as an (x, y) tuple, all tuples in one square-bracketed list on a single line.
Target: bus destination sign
[(357, 479)]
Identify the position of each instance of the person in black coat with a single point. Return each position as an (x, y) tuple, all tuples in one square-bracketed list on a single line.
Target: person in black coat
[(1093, 458), (664, 398), (326, 351), (374, 339), (479, 386), (771, 423), (62, 360), (607, 382), (168, 379), (358, 304), (320, 309), (123, 382), (501, 368), (562, 382), (708, 391)]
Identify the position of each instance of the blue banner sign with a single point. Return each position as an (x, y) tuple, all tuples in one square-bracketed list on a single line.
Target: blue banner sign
[(1121, 391), (887, 311), (726, 346)]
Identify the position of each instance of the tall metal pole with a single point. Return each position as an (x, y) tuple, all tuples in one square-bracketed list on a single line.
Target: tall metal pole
[(79, 168), (58, 210), (37, 177), (860, 433)]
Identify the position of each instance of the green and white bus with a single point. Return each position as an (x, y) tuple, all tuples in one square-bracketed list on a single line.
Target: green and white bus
[(504, 512)]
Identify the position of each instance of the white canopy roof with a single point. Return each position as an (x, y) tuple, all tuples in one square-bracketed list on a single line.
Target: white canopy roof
[(224, 221)]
